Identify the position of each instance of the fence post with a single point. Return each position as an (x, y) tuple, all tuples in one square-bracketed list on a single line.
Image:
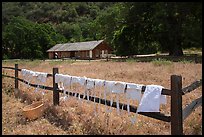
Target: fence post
[(55, 87), (176, 105), (196, 58), (16, 76)]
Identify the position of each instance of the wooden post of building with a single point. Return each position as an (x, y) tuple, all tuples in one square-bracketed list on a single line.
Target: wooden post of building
[(176, 105), (55, 87), (16, 76)]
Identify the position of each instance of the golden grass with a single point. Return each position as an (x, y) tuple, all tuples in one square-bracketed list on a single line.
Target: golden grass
[(71, 117)]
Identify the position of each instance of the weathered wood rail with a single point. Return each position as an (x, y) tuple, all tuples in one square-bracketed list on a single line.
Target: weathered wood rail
[(178, 115)]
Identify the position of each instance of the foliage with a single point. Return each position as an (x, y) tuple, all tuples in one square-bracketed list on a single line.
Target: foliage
[(25, 39), (129, 27)]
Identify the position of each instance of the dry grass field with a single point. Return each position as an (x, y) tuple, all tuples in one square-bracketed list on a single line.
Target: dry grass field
[(74, 117)]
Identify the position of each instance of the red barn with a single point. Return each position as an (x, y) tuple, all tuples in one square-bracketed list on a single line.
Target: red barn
[(81, 50)]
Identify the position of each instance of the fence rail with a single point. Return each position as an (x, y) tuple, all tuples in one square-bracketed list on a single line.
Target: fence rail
[(156, 115), (192, 87), (176, 92)]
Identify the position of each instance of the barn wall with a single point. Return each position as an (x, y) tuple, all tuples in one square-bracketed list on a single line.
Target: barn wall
[(50, 55), (82, 54), (97, 51), (65, 54)]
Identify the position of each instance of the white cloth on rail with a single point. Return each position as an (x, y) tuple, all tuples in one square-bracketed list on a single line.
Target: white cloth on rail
[(66, 84), (79, 80), (27, 75), (99, 82), (163, 99), (59, 78), (90, 83), (133, 92), (63, 81), (151, 99), (67, 80), (41, 76), (108, 90), (109, 86), (23, 72), (118, 88)]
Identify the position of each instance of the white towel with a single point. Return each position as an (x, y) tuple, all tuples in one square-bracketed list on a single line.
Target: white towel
[(99, 82), (67, 80), (133, 91), (58, 78), (23, 72), (108, 89), (150, 101), (109, 86), (90, 83), (79, 80), (32, 73), (29, 76), (41, 77), (118, 87)]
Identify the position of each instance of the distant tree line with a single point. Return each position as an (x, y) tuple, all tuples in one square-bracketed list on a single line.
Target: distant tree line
[(31, 28)]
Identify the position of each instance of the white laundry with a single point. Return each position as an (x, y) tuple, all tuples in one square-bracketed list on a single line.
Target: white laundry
[(109, 86), (41, 77), (99, 82), (67, 80), (29, 75), (90, 86), (59, 78), (79, 80), (90, 83), (118, 87), (163, 99), (62, 80), (32, 73), (108, 90), (23, 72), (150, 101), (133, 91)]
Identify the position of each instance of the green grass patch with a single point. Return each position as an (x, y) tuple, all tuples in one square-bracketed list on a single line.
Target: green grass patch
[(193, 50), (160, 62), (58, 62)]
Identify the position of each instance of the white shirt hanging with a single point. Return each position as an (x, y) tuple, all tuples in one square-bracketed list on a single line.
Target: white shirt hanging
[(151, 98)]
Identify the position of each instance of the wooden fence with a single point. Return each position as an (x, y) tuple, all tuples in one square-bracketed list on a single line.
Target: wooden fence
[(176, 117)]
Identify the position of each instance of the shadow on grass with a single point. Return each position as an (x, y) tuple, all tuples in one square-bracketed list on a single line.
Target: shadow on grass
[(53, 115), (62, 121)]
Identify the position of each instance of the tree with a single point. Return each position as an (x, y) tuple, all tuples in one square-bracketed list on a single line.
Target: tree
[(171, 21), (25, 39), (163, 24)]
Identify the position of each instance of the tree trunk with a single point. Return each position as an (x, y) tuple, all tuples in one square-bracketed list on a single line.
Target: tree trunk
[(175, 48)]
